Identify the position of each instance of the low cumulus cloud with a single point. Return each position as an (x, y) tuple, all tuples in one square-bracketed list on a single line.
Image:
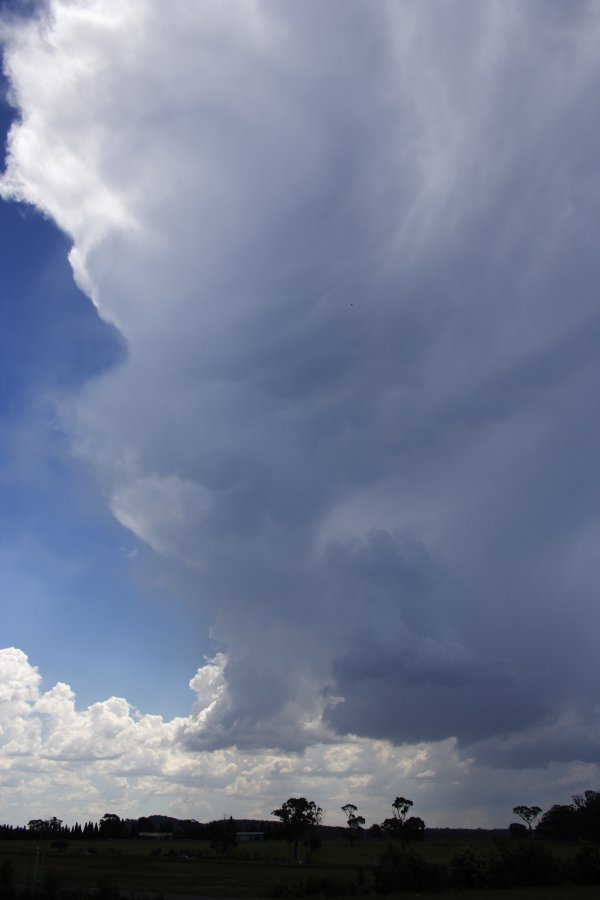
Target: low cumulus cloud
[(351, 248), (76, 763)]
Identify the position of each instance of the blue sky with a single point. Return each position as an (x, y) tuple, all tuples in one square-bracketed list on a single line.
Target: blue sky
[(298, 488), (70, 596)]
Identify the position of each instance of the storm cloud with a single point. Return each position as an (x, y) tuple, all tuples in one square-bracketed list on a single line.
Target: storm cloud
[(352, 248)]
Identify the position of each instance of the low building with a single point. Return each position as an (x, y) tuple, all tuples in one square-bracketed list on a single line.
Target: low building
[(155, 835)]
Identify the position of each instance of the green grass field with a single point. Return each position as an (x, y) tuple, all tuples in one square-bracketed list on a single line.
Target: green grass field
[(250, 872)]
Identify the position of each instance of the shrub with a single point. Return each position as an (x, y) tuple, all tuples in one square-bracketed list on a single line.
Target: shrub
[(526, 865), (402, 869), (584, 868), (469, 870), (59, 844)]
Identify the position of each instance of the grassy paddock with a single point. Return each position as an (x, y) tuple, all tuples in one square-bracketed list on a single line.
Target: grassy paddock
[(249, 872)]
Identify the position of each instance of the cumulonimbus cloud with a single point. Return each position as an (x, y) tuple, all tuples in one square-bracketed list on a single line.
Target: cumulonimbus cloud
[(350, 252)]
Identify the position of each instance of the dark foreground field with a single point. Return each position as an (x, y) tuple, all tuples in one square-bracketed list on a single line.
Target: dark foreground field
[(102, 869)]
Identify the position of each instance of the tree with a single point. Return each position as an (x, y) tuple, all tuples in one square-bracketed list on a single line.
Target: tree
[(401, 806), (224, 837), (311, 843), (399, 827), (413, 830), (395, 824), (144, 825), (577, 820), (300, 817), (45, 827), (528, 814), (112, 827), (355, 822), (587, 813)]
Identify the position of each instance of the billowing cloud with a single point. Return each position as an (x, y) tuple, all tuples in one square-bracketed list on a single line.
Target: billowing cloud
[(352, 251), (59, 759)]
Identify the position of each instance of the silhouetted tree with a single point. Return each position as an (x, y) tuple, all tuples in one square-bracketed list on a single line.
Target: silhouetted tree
[(413, 830), (299, 817), (587, 813), (399, 827), (355, 823), (578, 820), (145, 825), (90, 831), (528, 814), (193, 829), (45, 827), (111, 827), (224, 836), (312, 843)]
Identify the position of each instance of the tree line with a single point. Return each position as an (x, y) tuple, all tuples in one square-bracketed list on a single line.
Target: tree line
[(112, 827), (576, 821), (300, 821), (526, 862)]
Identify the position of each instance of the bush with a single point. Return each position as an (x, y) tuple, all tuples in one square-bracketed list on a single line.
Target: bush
[(526, 865), (469, 870), (401, 869), (59, 844), (584, 868)]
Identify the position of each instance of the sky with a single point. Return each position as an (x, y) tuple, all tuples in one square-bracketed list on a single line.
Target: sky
[(299, 433)]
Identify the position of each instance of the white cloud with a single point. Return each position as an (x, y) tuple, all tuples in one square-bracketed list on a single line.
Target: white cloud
[(78, 763), (18, 683)]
